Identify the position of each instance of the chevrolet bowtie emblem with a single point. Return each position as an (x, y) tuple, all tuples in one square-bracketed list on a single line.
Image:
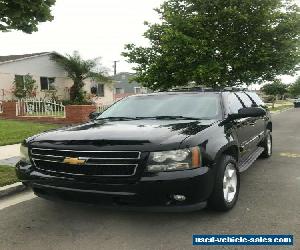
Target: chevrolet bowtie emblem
[(74, 161)]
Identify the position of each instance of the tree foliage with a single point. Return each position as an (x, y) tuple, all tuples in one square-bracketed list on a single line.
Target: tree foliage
[(79, 70), (295, 88), (24, 15), (218, 43), (274, 89)]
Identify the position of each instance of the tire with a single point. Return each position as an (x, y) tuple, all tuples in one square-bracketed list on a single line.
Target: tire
[(222, 197), (267, 144)]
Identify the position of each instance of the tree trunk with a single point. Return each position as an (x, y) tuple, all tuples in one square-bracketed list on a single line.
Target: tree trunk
[(75, 91)]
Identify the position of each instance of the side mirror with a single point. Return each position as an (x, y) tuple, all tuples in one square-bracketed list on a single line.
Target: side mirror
[(94, 115), (248, 112)]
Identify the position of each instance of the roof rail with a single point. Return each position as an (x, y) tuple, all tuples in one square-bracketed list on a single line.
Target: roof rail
[(192, 89), (235, 89)]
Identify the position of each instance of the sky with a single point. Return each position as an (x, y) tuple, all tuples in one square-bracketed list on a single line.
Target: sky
[(95, 28)]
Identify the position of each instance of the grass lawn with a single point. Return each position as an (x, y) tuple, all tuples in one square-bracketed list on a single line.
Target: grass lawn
[(7, 175), (12, 132), (280, 105), (279, 108)]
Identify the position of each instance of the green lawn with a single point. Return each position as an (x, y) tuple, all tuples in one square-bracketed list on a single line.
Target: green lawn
[(12, 132), (280, 105), (279, 108), (7, 175)]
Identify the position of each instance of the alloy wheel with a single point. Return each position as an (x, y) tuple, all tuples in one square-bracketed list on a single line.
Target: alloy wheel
[(229, 183)]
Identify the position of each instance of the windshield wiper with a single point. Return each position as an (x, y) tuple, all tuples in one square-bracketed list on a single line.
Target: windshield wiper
[(159, 117), (119, 118), (168, 117)]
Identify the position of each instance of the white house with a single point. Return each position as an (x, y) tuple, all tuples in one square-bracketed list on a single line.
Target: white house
[(49, 76)]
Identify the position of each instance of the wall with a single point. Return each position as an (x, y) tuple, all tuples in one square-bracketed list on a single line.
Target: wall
[(39, 65), (108, 97), (74, 114)]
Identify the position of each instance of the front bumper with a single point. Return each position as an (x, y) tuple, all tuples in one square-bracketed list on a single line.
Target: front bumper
[(150, 192)]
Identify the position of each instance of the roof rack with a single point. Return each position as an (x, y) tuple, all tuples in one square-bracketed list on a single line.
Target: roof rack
[(205, 89), (192, 89), (235, 89)]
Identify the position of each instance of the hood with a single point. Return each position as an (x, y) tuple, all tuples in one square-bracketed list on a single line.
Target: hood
[(144, 135)]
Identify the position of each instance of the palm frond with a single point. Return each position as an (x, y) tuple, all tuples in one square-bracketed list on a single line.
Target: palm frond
[(79, 69)]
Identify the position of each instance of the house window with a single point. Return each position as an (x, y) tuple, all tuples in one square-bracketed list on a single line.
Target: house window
[(119, 91), (47, 83), (100, 90), (20, 81), (137, 90)]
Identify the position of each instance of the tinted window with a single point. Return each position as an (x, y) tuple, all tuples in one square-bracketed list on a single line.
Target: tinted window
[(245, 99), (201, 106), (234, 104), (256, 98)]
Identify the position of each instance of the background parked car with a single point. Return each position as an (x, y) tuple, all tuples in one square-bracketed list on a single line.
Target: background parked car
[(297, 103)]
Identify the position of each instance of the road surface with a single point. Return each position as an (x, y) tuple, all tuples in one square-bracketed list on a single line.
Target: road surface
[(269, 204)]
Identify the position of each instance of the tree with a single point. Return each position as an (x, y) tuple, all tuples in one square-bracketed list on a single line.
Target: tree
[(24, 86), (79, 70), (275, 89), (295, 88), (24, 15), (218, 43)]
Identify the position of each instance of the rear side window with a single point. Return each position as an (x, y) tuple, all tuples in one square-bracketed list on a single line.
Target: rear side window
[(256, 99), (234, 104), (245, 99)]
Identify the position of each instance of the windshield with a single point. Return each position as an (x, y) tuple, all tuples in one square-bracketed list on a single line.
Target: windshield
[(197, 106)]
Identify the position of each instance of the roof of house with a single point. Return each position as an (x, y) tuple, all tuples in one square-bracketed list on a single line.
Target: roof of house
[(12, 58)]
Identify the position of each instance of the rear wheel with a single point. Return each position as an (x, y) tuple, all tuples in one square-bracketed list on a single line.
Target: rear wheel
[(227, 185), (267, 145)]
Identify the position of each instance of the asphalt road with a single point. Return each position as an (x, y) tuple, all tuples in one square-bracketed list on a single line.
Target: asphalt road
[(269, 204)]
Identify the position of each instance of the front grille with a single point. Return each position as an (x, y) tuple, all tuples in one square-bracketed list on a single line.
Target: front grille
[(86, 163)]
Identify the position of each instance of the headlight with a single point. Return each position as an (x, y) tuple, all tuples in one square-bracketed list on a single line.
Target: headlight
[(24, 153), (174, 160)]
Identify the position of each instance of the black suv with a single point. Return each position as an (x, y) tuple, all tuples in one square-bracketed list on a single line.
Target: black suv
[(169, 150)]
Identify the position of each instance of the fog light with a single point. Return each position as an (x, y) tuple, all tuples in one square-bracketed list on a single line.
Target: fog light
[(179, 197)]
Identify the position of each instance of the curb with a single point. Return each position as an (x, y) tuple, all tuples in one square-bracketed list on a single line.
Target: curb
[(12, 189)]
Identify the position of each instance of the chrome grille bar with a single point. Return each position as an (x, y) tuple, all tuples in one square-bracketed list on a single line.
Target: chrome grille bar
[(53, 162), (95, 151)]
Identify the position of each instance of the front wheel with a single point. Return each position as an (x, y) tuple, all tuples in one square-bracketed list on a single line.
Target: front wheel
[(227, 185)]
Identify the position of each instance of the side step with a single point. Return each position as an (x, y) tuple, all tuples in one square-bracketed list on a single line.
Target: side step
[(243, 166)]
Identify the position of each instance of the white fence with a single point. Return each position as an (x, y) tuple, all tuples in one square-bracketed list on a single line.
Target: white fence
[(1, 107), (39, 107)]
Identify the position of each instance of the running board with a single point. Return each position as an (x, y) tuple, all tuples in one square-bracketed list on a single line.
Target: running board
[(250, 160)]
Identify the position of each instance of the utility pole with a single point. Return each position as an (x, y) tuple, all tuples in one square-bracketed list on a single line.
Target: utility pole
[(115, 67)]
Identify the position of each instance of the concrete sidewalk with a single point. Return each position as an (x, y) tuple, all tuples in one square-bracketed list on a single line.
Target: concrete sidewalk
[(10, 154)]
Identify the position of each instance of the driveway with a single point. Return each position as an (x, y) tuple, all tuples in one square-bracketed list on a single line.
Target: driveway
[(269, 204)]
